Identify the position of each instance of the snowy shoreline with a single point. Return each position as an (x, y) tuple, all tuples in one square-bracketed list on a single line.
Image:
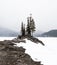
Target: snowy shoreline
[(46, 54)]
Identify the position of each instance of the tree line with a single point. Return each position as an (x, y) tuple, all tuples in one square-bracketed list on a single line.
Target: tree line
[(30, 28)]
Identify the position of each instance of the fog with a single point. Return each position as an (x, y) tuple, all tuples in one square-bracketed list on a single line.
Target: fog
[(13, 12)]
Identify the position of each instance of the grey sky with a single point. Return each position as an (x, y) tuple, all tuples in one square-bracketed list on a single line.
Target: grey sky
[(13, 12)]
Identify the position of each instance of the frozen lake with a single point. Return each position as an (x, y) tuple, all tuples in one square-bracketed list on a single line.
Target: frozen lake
[(46, 54)]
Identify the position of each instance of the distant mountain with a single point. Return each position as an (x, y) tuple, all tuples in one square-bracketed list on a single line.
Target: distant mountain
[(7, 33), (10, 33), (51, 33)]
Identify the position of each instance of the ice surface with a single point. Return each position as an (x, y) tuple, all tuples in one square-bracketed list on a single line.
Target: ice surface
[(6, 38), (46, 54)]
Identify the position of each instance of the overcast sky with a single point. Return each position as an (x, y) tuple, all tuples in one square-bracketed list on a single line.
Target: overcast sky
[(13, 12)]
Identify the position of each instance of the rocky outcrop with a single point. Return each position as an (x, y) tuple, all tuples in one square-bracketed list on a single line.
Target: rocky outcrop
[(12, 55), (35, 40), (31, 38)]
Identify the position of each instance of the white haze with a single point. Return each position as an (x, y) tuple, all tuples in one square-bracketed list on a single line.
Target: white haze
[(13, 12), (46, 54)]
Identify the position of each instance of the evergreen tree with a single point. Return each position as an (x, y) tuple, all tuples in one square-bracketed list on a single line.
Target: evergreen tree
[(28, 28), (22, 29), (32, 26)]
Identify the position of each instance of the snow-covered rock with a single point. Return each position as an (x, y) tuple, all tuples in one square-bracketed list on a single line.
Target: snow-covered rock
[(46, 54)]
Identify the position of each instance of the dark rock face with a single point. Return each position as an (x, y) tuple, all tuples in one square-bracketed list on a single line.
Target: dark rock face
[(12, 55), (35, 40), (31, 38)]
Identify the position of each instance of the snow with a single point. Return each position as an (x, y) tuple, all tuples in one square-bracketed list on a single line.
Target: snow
[(6, 38), (46, 54)]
